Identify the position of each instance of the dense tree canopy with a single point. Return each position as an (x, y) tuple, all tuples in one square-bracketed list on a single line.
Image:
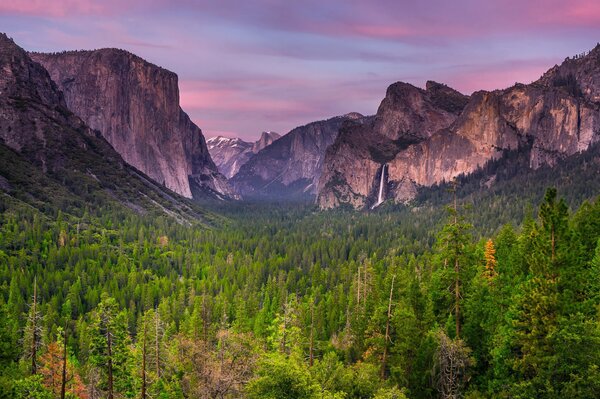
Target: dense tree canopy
[(280, 301)]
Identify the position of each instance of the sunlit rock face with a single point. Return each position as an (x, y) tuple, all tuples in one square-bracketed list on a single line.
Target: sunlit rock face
[(229, 154), (428, 138), (407, 115), (135, 106), (291, 166)]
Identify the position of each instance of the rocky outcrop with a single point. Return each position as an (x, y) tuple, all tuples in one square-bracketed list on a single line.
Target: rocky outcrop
[(552, 118), (407, 115), (229, 154), (135, 105), (50, 156), (290, 167), (265, 140), (34, 118)]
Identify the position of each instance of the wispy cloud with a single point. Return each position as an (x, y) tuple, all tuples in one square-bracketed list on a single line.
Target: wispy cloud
[(247, 66)]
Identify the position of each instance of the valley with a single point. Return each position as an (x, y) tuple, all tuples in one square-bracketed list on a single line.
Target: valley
[(447, 246)]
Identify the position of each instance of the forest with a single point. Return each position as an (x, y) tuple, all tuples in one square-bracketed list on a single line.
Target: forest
[(474, 299)]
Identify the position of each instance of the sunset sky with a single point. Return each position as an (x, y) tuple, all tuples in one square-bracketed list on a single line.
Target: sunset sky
[(249, 66)]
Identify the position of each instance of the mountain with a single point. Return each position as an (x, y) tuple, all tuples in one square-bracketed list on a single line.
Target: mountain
[(549, 119), (229, 154), (135, 105), (50, 159), (290, 167), (407, 115)]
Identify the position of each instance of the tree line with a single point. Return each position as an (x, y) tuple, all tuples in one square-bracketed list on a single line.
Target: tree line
[(283, 302)]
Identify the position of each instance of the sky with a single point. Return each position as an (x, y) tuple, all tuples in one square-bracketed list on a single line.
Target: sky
[(250, 66)]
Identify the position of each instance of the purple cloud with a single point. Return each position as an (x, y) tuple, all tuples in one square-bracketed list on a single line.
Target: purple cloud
[(246, 66)]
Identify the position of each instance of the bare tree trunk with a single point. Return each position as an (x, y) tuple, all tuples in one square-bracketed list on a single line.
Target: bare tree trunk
[(110, 366), (156, 343), (63, 383), (387, 330), (365, 282), (144, 362), (358, 289), (456, 268), (284, 337), (457, 298), (312, 334), (553, 243), (34, 328)]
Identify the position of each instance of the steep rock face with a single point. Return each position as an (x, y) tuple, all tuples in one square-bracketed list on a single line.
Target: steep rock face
[(407, 115), (552, 118), (229, 154), (265, 140), (291, 166), (135, 105), (54, 148), (551, 124)]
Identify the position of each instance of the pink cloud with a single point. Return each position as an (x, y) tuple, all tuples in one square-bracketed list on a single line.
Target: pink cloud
[(69, 8), (58, 8)]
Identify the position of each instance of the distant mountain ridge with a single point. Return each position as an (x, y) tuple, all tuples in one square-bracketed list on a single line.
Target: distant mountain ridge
[(426, 137), (290, 167), (229, 154), (135, 105)]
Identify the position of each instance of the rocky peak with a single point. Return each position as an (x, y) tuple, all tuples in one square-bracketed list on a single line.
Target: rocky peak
[(266, 138), (33, 110), (446, 97), (579, 75), (19, 72), (429, 136), (290, 167), (55, 159), (222, 142), (135, 105), (229, 154), (409, 114)]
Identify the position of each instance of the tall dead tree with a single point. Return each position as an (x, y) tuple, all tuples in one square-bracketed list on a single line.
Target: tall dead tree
[(387, 330), (452, 361), (144, 381), (63, 382), (312, 334), (32, 334)]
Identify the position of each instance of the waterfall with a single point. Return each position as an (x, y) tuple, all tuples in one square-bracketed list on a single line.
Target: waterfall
[(381, 184)]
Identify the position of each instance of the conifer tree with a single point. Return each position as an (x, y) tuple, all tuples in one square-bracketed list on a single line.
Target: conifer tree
[(32, 336), (109, 349)]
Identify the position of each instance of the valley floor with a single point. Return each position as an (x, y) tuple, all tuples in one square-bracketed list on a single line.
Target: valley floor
[(285, 301)]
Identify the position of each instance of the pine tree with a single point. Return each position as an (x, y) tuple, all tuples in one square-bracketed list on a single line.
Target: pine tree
[(109, 349), (32, 335), (454, 241)]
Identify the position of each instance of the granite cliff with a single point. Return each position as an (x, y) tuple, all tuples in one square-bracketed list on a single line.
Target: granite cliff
[(407, 115), (290, 167), (50, 157), (550, 119), (135, 105)]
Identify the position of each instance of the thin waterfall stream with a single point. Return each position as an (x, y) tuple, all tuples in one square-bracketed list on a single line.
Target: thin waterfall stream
[(381, 184)]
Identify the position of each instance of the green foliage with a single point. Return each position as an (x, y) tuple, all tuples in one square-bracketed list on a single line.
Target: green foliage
[(238, 308), (281, 377), (31, 388)]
